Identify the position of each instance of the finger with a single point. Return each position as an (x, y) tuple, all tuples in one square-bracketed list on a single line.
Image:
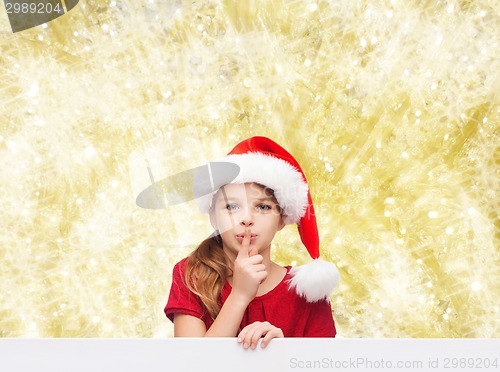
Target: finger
[(245, 244), (259, 267), (257, 335), (252, 336), (261, 276), (247, 341), (241, 336), (245, 336), (254, 333), (256, 260), (253, 251), (274, 333)]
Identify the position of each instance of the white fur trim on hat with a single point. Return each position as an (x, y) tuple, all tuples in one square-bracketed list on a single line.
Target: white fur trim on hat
[(315, 280), (285, 180)]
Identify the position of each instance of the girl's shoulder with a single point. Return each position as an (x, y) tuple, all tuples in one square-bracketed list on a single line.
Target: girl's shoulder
[(182, 263), (180, 267)]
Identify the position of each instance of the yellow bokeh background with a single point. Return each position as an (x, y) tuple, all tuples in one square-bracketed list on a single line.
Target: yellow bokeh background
[(391, 107)]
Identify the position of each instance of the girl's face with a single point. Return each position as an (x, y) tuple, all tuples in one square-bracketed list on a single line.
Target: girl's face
[(237, 206)]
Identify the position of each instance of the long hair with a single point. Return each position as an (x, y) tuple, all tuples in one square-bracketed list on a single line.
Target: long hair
[(206, 272)]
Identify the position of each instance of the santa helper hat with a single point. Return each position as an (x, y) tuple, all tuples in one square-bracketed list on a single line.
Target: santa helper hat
[(263, 161)]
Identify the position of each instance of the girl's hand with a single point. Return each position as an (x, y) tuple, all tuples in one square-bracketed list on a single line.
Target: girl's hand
[(251, 334), (249, 271)]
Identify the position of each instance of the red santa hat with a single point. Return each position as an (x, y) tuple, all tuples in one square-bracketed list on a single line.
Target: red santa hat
[(263, 161)]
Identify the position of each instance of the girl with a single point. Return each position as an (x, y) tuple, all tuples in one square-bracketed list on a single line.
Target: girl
[(229, 286)]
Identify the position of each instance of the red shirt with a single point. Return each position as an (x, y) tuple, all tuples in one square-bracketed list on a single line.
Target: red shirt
[(281, 307)]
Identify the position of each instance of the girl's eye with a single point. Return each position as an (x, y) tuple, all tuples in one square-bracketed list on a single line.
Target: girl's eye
[(264, 207), (231, 207)]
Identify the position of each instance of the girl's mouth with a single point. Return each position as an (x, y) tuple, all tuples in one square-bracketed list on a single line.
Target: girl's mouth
[(240, 238)]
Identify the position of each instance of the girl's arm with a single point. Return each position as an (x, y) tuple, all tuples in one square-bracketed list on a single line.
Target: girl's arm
[(225, 325), (188, 326)]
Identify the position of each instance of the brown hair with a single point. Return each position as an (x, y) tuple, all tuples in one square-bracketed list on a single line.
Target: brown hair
[(208, 263)]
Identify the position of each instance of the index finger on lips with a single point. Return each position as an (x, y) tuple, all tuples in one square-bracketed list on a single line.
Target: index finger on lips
[(245, 244), (251, 251)]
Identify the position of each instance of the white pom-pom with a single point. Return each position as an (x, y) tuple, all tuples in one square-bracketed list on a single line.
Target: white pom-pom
[(314, 281)]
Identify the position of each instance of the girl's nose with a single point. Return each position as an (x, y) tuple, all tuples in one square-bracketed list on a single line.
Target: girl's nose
[(247, 218)]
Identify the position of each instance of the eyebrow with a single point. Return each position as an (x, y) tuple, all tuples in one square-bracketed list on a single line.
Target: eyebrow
[(230, 198), (226, 198), (267, 198)]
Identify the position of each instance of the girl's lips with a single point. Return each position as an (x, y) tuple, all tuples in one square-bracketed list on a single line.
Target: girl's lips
[(240, 237)]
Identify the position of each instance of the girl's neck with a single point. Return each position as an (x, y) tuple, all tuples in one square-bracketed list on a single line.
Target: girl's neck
[(275, 274)]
